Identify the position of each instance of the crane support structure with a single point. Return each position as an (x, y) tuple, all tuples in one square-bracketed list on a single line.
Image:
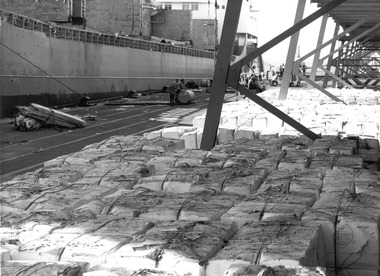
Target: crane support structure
[(355, 62)]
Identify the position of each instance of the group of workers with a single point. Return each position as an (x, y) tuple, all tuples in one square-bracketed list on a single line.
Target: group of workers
[(174, 90)]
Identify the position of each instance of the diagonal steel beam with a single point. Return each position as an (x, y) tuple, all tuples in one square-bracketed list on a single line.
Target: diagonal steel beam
[(324, 91), (335, 77), (275, 111)]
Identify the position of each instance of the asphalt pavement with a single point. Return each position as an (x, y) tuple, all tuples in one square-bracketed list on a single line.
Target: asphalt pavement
[(24, 151)]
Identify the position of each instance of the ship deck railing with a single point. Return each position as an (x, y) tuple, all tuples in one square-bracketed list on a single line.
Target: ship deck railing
[(62, 32)]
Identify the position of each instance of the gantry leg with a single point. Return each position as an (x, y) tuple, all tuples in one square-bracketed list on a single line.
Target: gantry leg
[(218, 88), (317, 53), (291, 53), (329, 62)]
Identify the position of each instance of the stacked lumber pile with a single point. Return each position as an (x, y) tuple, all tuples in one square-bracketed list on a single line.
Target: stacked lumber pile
[(34, 116), (136, 206)]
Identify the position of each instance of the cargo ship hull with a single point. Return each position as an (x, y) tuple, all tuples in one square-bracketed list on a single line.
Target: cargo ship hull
[(56, 66)]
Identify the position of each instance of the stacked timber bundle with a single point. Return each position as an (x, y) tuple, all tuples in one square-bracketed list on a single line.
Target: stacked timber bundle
[(34, 116)]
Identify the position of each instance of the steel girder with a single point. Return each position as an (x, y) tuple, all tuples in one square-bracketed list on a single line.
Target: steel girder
[(230, 74)]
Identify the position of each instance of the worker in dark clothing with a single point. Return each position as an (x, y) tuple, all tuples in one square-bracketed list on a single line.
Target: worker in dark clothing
[(181, 85), (174, 89)]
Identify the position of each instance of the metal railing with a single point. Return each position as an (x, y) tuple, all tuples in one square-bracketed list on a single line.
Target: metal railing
[(61, 32)]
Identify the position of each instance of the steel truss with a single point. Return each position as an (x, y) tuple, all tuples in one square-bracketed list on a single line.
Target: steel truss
[(225, 73)]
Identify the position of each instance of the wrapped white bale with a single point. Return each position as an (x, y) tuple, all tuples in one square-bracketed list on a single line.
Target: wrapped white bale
[(277, 180), (346, 147), (153, 134), (369, 150), (199, 137), (43, 268), (229, 121), (255, 243), (268, 163), (286, 133), (110, 270), (298, 245), (204, 207), (92, 248), (334, 199), (60, 174), (306, 185), (199, 121), (47, 248), (68, 199), (259, 123), (291, 166), (175, 132), (176, 187), (126, 175), (171, 246), (162, 163), (370, 128), (214, 159), (327, 157), (274, 122), (209, 180), (242, 213), (245, 120), (245, 132), (338, 180), (320, 146), (355, 235), (245, 184), (331, 271), (191, 158), (90, 209), (225, 135), (5, 255), (268, 133), (190, 139), (295, 160), (164, 212), (270, 206), (353, 161), (164, 145), (21, 194), (256, 270)]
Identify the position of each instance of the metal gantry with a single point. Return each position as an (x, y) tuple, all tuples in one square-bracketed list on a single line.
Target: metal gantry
[(357, 57)]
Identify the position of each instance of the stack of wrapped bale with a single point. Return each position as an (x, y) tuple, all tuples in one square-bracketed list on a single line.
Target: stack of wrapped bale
[(264, 201)]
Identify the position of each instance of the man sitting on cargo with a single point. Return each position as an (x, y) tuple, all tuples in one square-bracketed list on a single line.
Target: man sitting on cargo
[(174, 89)]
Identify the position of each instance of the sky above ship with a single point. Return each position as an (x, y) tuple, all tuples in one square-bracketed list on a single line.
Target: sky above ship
[(276, 16)]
